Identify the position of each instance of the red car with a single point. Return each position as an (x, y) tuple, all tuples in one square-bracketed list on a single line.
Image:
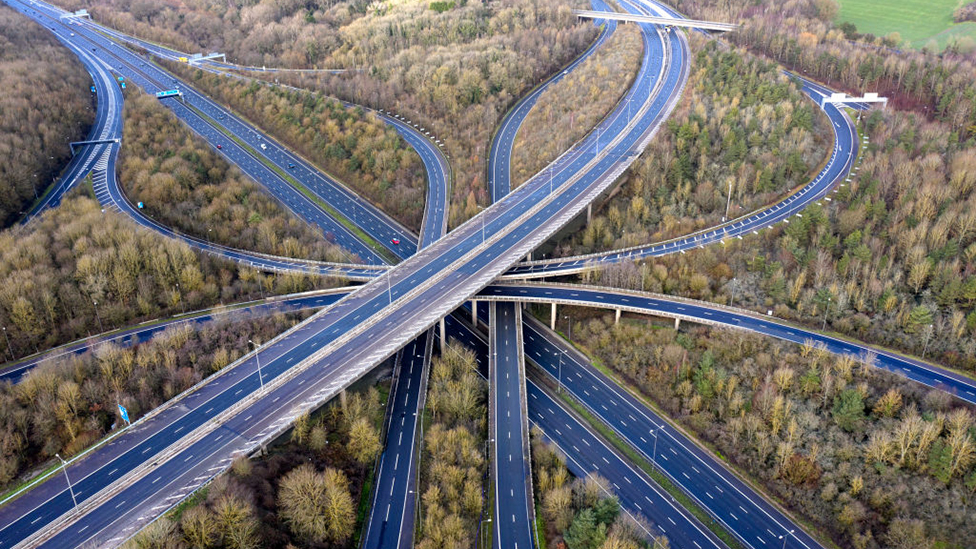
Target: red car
[(220, 146), (395, 241)]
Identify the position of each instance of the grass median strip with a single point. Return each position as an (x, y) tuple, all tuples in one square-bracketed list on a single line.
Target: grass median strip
[(637, 459), (343, 220)]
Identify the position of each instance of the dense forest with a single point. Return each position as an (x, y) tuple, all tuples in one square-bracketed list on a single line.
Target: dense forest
[(79, 270), (309, 491), (357, 148), (869, 457), (45, 105), (569, 109), (740, 124), (66, 405), (184, 184)]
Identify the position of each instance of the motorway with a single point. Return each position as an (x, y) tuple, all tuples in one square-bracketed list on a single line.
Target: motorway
[(701, 312), (391, 516), (511, 469), (587, 453), (568, 186), (423, 289), (727, 499), (500, 153), (141, 333), (538, 350), (365, 215), (216, 121)]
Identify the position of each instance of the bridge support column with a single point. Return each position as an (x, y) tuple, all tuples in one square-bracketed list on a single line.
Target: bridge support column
[(443, 336), (617, 319), (552, 318), (589, 213), (474, 312), (342, 399), (677, 322)]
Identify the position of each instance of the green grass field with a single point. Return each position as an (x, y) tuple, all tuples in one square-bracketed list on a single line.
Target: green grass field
[(917, 21)]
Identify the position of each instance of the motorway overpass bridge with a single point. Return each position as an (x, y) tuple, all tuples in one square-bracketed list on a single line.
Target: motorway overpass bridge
[(656, 20)]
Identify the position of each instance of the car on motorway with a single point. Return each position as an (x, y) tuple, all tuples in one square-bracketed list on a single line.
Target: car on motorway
[(220, 146), (291, 166), (264, 147), (395, 241)]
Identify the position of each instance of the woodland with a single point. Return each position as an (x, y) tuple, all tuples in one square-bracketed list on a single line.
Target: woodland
[(311, 490), (867, 456), (184, 184), (66, 405), (45, 105), (556, 121)]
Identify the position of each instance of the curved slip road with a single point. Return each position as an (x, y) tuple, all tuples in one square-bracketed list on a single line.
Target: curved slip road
[(380, 227), (839, 165), (334, 347)]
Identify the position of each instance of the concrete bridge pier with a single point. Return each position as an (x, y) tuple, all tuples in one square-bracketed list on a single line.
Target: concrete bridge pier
[(443, 336)]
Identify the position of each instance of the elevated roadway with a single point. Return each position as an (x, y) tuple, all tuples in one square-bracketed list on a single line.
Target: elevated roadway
[(543, 352), (337, 346), (657, 20), (839, 165)]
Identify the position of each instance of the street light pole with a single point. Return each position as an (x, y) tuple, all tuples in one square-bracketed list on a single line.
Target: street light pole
[(179, 293), (826, 310), (97, 317), (9, 348), (735, 286), (64, 467), (483, 536), (728, 203), (257, 356), (784, 538), (559, 374), (928, 335), (569, 321)]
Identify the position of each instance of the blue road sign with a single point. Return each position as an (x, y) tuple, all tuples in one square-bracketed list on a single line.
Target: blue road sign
[(123, 85), (93, 89), (139, 205), (125, 413)]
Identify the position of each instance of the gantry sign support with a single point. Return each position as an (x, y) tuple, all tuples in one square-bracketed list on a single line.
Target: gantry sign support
[(198, 57), (80, 14), (844, 98)]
